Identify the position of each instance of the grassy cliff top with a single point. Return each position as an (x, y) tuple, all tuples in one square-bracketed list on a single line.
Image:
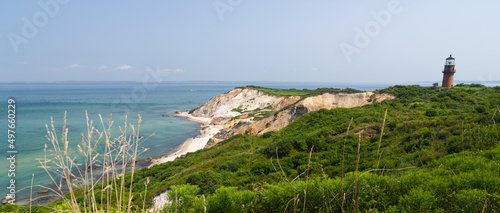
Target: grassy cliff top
[(302, 92)]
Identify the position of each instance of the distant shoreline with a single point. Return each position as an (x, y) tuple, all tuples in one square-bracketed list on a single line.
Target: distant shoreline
[(494, 82)]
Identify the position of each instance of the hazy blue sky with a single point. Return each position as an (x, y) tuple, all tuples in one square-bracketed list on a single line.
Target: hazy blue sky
[(238, 40)]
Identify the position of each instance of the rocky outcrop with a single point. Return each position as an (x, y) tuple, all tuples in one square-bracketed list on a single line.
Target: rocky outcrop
[(8, 200), (43, 191), (251, 111)]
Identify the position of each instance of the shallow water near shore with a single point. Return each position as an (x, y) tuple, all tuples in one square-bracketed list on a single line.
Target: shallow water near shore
[(36, 103)]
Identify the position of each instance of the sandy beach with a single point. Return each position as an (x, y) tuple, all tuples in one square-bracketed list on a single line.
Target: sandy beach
[(192, 144)]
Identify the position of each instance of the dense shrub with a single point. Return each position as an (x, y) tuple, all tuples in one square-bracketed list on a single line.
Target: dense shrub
[(417, 200), (229, 199), (184, 199), (470, 200)]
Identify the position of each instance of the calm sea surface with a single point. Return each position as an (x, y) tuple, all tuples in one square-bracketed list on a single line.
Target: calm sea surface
[(36, 103)]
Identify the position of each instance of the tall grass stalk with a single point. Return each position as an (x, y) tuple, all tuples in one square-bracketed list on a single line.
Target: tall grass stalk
[(282, 173), (343, 162), (98, 149), (494, 122), (307, 178), (31, 190), (145, 193), (204, 204), (379, 156), (355, 173)]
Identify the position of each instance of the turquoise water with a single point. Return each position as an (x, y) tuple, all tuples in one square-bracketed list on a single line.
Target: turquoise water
[(36, 103)]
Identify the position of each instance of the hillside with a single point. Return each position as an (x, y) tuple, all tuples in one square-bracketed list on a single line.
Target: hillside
[(424, 127), (438, 153)]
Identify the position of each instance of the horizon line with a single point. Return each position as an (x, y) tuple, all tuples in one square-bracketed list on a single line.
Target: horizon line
[(194, 81)]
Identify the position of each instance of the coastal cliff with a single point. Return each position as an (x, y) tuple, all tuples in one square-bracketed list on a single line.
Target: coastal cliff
[(253, 111)]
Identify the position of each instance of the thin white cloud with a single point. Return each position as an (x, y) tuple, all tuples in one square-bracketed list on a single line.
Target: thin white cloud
[(170, 70), (23, 62), (73, 66), (314, 69), (164, 70), (124, 67), (102, 67)]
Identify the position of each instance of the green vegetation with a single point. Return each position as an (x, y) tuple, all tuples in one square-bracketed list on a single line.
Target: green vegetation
[(303, 92), (438, 153), (24, 209), (425, 126), (256, 114), (465, 181), (238, 110), (264, 114)]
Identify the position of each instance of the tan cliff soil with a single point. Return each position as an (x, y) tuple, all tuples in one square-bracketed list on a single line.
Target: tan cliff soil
[(222, 106), (251, 111)]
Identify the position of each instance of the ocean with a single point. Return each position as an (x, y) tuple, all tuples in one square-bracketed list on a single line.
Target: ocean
[(36, 103)]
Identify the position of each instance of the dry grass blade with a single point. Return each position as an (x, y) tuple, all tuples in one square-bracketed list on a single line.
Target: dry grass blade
[(307, 178), (282, 174), (379, 156), (31, 190), (343, 162), (485, 205), (355, 188), (115, 152)]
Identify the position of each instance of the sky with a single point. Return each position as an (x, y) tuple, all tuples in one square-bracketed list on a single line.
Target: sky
[(387, 41)]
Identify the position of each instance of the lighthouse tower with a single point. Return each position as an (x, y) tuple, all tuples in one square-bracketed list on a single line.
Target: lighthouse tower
[(449, 72)]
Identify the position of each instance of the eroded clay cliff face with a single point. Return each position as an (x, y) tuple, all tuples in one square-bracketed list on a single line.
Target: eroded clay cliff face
[(251, 111), (226, 106)]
